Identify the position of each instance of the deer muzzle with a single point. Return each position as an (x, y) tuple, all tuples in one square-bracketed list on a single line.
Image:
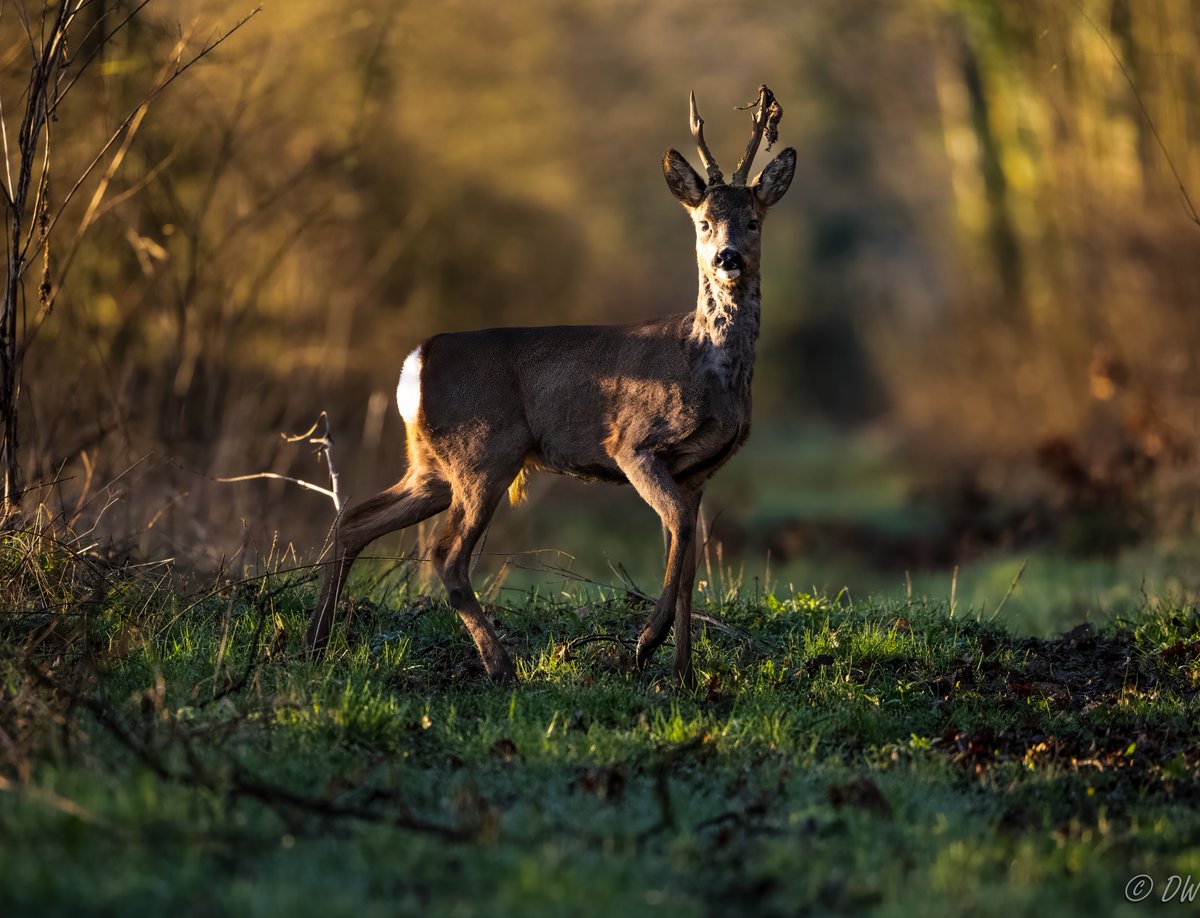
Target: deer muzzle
[(728, 264)]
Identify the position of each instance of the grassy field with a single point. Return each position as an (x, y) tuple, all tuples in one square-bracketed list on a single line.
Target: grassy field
[(816, 481), (169, 752)]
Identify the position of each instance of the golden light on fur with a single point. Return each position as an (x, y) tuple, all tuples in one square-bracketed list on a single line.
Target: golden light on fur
[(517, 493)]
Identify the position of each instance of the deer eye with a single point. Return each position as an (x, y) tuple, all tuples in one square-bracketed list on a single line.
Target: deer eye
[(704, 227), (752, 226)]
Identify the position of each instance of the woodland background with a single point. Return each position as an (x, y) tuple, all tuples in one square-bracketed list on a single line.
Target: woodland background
[(980, 328)]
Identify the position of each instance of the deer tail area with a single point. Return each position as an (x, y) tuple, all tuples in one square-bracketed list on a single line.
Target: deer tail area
[(516, 490)]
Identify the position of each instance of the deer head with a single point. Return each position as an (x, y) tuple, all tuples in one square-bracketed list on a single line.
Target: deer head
[(728, 217)]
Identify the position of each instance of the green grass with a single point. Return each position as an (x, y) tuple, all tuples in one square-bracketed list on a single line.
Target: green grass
[(818, 482), (177, 756)]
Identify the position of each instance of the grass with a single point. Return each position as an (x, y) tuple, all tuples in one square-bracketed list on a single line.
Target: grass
[(817, 482), (163, 752)]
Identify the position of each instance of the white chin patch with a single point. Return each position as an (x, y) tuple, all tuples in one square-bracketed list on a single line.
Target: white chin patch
[(728, 276), (408, 392)]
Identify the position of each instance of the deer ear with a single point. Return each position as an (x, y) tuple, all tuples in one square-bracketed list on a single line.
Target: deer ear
[(770, 184), (685, 183)]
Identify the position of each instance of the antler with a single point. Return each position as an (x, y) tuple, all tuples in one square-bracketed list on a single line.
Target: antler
[(710, 164), (766, 118)]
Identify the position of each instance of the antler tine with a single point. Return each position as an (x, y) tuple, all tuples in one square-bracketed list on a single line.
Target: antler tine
[(710, 164), (767, 114)]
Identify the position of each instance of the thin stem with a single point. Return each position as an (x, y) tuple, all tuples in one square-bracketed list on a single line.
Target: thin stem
[(180, 69), (1189, 207)]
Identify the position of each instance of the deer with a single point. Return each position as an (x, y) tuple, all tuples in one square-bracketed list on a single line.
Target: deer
[(660, 405)]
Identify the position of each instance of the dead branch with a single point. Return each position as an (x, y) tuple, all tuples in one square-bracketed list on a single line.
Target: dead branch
[(318, 435), (736, 633), (241, 781), (1189, 208), (28, 220), (168, 74)]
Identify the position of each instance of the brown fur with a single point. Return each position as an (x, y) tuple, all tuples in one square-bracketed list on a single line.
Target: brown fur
[(660, 405)]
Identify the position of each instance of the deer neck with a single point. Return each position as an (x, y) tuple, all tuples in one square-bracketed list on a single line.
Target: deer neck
[(726, 327)]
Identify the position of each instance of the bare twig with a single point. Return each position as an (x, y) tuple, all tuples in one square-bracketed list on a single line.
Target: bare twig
[(318, 435), (82, 68), (1011, 589), (596, 638), (721, 626), (28, 228), (1188, 207), (240, 781), (51, 799), (50, 295), (631, 588), (324, 442), (167, 76), (274, 475), (7, 161)]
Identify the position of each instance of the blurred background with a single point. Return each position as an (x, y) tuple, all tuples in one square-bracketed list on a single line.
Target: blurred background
[(981, 326)]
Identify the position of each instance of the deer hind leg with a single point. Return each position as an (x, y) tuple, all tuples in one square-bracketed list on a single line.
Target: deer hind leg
[(417, 497), (472, 509)]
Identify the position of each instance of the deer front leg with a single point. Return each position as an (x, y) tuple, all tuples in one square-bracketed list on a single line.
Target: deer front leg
[(677, 510), (683, 606), (657, 626)]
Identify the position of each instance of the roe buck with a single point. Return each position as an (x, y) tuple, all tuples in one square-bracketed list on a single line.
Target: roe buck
[(661, 405)]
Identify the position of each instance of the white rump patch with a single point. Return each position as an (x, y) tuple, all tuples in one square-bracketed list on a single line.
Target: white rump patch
[(408, 391)]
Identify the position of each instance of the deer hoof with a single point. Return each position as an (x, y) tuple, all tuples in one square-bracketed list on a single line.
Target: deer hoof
[(502, 671), (645, 650), (686, 677), (314, 647)]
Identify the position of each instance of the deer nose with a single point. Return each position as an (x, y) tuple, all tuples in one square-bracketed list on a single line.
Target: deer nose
[(728, 260)]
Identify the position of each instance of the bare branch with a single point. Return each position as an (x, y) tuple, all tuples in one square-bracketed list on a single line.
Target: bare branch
[(45, 74), (8, 183), (24, 16), (728, 629), (174, 74), (318, 435), (710, 163), (299, 481), (324, 442), (1188, 207), (79, 71), (51, 799), (296, 438), (93, 212)]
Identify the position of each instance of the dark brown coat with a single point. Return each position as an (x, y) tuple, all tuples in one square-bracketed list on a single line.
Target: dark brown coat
[(660, 405)]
